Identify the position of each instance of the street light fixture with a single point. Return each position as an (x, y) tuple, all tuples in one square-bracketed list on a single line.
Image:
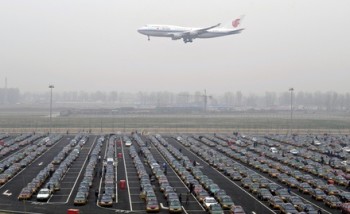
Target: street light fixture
[(51, 87), (291, 110)]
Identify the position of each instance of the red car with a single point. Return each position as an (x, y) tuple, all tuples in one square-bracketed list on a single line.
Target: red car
[(345, 208)]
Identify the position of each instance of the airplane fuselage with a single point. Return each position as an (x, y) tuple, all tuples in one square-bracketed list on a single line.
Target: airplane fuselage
[(171, 30)]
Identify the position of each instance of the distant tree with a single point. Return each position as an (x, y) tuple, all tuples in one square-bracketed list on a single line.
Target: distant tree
[(113, 96), (229, 98), (270, 99), (239, 98)]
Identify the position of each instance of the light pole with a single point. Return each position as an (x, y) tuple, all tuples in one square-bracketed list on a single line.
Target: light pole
[(291, 110), (51, 87)]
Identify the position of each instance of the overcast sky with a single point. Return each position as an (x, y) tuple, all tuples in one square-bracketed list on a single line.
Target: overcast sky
[(94, 45)]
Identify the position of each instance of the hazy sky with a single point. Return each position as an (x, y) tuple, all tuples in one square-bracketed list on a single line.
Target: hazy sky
[(94, 45)]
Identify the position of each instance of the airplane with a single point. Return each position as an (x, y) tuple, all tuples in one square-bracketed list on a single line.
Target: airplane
[(188, 34)]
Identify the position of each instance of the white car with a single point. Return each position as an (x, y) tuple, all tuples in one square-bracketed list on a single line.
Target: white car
[(294, 151), (273, 150), (153, 165), (317, 143), (209, 201), (128, 143), (43, 195), (346, 149)]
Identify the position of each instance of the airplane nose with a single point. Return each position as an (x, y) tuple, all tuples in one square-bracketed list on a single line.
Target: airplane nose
[(140, 30)]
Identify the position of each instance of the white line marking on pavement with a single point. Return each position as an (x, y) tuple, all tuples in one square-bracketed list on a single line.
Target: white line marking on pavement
[(126, 176), (165, 208), (7, 193)]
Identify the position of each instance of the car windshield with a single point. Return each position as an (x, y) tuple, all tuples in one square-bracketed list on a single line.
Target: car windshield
[(152, 202), (215, 207), (210, 200), (44, 192), (333, 199), (175, 203), (227, 200), (106, 198), (79, 197), (238, 209)]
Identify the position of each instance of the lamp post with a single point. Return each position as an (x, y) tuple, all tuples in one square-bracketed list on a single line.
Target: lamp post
[(291, 110), (51, 87)]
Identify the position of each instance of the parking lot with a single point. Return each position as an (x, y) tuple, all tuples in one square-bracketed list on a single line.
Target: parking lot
[(134, 173)]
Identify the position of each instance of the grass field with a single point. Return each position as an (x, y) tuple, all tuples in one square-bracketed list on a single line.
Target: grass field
[(273, 122)]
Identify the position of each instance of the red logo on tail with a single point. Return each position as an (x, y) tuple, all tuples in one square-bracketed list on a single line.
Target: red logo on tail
[(235, 23)]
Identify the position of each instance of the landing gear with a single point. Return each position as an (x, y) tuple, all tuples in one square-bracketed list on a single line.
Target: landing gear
[(187, 40), (149, 38)]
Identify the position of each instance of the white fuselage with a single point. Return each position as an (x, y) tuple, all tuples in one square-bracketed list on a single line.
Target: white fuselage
[(170, 30)]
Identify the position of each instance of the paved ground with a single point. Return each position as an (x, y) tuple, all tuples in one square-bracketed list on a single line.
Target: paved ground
[(128, 199)]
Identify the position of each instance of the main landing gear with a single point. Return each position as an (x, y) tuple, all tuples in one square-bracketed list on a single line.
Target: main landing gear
[(187, 40)]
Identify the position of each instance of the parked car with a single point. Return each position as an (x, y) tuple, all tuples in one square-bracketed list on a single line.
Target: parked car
[(43, 195), (209, 201), (345, 208), (237, 210)]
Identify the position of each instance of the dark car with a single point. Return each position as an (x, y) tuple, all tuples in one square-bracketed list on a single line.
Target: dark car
[(175, 206), (287, 208), (304, 188), (318, 194), (273, 187), (237, 210), (295, 200), (225, 202), (283, 193), (80, 199), (106, 201), (275, 202), (264, 194), (332, 201), (344, 196), (246, 182), (215, 209), (253, 187), (331, 190), (307, 208)]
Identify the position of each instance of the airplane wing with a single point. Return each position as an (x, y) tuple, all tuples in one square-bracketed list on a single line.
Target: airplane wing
[(191, 34), (202, 30)]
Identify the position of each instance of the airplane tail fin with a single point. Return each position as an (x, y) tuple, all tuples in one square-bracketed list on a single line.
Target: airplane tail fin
[(237, 22)]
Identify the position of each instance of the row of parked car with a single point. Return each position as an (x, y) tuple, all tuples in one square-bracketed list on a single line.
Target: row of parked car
[(13, 146), (147, 192), (213, 198), (81, 198), (54, 183), (307, 182), (294, 179), (34, 186), (169, 192), (108, 192), (147, 187), (327, 166), (335, 147), (254, 182), (14, 164)]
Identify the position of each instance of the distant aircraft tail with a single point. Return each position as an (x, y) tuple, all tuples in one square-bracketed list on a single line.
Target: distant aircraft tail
[(237, 22)]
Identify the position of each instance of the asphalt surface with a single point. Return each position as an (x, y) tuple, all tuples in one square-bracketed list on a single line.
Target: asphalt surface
[(128, 199)]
